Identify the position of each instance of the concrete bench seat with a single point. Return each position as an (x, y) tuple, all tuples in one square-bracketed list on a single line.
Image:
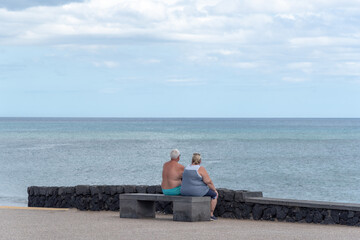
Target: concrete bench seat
[(185, 208)]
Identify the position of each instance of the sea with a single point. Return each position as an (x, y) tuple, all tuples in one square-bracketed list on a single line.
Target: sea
[(294, 158)]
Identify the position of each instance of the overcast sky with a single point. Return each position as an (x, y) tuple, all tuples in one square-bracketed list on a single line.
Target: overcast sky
[(170, 58)]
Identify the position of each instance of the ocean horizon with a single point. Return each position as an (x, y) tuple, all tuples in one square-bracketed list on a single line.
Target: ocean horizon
[(298, 158)]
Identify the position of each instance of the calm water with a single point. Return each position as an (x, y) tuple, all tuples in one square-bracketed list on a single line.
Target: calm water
[(314, 159)]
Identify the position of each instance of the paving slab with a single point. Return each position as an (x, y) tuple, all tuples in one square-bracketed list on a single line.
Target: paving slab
[(28, 223)]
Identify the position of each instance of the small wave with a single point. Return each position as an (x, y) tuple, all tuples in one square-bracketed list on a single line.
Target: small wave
[(43, 146), (213, 161)]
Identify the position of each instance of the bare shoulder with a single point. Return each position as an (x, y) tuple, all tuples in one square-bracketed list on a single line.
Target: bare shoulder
[(181, 166), (202, 169)]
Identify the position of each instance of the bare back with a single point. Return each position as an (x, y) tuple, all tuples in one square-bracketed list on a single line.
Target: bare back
[(172, 174)]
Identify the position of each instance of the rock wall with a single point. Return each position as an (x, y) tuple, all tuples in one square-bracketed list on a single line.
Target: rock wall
[(239, 204), (84, 197)]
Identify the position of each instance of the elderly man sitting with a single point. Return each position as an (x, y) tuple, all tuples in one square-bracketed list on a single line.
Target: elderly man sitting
[(172, 174)]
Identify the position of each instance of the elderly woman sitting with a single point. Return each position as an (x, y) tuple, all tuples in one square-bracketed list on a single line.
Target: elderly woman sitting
[(196, 182)]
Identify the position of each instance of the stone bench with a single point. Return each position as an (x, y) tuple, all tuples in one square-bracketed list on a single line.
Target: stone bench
[(185, 208)]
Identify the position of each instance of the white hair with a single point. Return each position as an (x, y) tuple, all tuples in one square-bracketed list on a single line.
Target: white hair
[(174, 154)]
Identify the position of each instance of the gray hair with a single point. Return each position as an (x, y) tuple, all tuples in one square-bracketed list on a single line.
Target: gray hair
[(196, 158), (174, 154)]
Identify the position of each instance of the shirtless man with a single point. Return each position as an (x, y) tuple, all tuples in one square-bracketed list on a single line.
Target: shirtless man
[(172, 174)]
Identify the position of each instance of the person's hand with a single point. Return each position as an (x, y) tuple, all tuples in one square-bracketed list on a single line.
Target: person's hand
[(217, 194)]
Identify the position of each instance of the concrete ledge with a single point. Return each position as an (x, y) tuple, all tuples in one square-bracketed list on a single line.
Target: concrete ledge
[(304, 203)]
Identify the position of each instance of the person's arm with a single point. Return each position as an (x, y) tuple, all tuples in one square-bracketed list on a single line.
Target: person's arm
[(206, 179), (181, 170)]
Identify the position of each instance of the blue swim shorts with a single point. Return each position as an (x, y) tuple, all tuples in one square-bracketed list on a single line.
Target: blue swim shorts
[(211, 193), (172, 191)]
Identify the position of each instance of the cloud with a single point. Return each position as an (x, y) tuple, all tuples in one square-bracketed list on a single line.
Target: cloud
[(286, 16), (149, 61), (294, 79), (108, 64), (227, 52), (238, 22), (305, 67), (201, 57), (246, 65), (185, 81), (348, 69), (23, 4), (324, 41), (110, 90), (241, 34), (181, 80)]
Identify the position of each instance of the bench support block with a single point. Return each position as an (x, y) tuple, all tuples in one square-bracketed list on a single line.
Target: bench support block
[(137, 209), (185, 212)]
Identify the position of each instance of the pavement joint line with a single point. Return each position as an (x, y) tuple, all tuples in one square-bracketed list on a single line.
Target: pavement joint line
[(34, 208)]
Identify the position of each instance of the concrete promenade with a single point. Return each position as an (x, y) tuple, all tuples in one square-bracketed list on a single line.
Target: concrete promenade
[(27, 223)]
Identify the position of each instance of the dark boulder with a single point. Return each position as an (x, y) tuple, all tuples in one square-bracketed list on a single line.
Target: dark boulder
[(239, 196), (228, 215), (352, 221), (120, 189), (228, 195), (159, 189), (269, 213), (258, 211), (281, 212), (335, 215), (328, 220), (94, 190), (129, 189), (141, 189), (318, 217), (42, 191), (113, 190), (151, 189), (351, 214), (82, 189)]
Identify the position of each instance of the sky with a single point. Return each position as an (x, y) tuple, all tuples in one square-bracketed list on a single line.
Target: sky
[(178, 58)]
